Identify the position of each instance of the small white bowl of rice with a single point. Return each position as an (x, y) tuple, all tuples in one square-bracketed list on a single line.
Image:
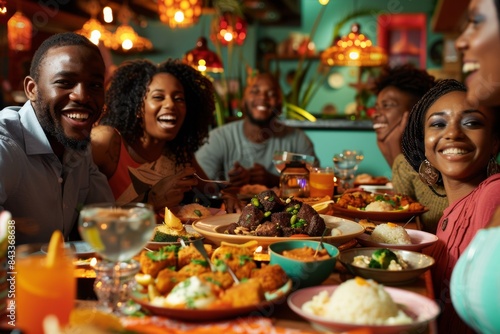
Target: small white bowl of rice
[(363, 303), (390, 233), (387, 236)]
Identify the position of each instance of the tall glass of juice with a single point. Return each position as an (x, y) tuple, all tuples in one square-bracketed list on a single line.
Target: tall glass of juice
[(43, 289), (321, 182)]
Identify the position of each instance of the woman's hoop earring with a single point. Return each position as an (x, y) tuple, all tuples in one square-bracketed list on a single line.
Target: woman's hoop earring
[(492, 167), (428, 174)]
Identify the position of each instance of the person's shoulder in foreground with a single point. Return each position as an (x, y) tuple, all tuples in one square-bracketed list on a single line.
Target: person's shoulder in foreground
[(47, 173)]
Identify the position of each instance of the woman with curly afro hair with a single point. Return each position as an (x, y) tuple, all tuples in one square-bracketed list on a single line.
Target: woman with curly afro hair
[(156, 117), (451, 142)]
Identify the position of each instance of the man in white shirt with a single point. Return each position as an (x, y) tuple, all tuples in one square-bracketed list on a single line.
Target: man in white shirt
[(46, 169)]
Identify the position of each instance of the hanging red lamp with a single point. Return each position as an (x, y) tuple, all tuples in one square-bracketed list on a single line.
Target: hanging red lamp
[(229, 28)]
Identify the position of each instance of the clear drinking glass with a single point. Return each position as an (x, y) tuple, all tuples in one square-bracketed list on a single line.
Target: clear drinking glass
[(280, 158), (117, 233), (345, 170), (357, 154)]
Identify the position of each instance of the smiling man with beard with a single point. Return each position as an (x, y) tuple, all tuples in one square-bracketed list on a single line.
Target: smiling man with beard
[(46, 169), (242, 151)]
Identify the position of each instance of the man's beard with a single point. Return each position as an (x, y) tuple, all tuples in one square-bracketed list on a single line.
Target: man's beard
[(52, 127)]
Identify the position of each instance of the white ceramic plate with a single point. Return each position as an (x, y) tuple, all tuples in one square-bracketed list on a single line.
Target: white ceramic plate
[(420, 308), (213, 228), (80, 248), (419, 241)]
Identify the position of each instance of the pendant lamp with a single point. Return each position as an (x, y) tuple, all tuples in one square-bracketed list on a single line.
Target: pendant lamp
[(180, 13), (355, 49), (203, 59), (19, 31)]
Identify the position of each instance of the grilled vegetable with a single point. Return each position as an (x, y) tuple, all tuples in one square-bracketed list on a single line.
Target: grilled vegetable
[(381, 258)]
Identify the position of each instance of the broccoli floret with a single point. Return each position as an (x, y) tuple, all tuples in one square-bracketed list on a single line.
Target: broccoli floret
[(381, 258)]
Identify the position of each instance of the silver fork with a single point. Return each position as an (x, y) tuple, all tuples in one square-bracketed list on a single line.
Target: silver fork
[(221, 182)]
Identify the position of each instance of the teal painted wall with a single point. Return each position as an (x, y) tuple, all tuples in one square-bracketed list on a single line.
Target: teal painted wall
[(336, 10), (329, 142)]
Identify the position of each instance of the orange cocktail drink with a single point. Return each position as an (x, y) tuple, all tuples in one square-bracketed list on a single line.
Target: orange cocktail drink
[(43, 287), (321, 182)]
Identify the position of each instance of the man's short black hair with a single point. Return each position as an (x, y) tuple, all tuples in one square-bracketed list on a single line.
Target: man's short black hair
[(58, 40)]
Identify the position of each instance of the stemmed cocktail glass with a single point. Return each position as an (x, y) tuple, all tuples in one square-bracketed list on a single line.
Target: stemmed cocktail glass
[(117, 233), (346, 165)]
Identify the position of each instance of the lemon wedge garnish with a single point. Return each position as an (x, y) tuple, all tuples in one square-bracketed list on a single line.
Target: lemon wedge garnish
[(172, 221), (56, 249), (321, 207), (93, 237), (99, 319)]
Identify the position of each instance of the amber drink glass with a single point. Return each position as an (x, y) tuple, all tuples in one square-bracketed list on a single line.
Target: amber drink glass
[(43, 290), (321, 182)]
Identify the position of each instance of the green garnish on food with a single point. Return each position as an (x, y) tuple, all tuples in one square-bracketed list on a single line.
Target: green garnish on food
[(244, 258), (381, 258), (255, 202), (203, 263), (198, 213), (159, 255)]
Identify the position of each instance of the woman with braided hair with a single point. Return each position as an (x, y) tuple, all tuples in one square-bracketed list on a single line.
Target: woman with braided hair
[(156, 117), (450, 142)]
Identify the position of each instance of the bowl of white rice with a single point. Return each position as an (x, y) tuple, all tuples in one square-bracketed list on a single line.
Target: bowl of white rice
[(363, 303), (397, 240), (409, 267), (390, 233)]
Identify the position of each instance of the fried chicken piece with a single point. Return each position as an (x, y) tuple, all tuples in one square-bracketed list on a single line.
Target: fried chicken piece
[(167, 279), (246, 293), (271, 277), (187, 254), (153, 262)]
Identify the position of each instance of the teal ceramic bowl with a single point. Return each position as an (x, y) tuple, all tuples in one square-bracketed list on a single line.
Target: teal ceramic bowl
[(303, 273)]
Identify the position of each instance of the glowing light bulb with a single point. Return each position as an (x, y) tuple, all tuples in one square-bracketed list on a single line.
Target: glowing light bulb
[(95, 36), (127, 44), (179, 16), (354, 55), (228, 36), (107, 13)]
